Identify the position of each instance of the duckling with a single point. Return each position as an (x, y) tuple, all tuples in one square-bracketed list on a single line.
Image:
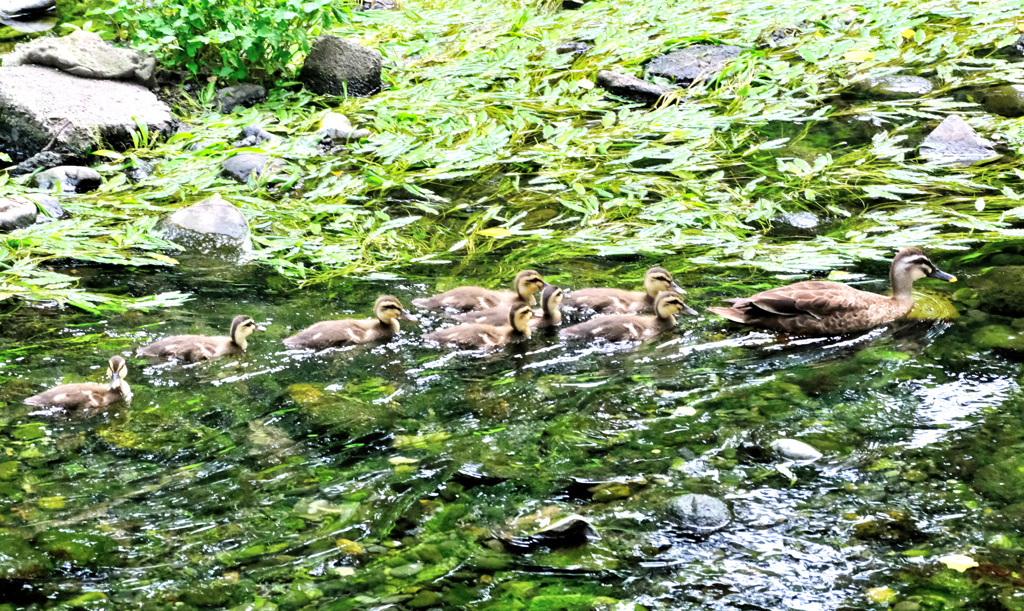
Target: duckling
[(467, 298), (831, 308), (473, 336), (629, 327), (337, 333), (550, 300), (88, 395), (618, 301), (201, 347)]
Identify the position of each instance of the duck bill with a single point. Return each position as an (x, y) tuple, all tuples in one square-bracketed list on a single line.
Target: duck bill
[(407, 316), (938, 274), (689, 311), (115, 381), (675, 287)]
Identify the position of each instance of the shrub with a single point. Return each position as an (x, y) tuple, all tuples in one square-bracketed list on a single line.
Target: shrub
[(234, 39)]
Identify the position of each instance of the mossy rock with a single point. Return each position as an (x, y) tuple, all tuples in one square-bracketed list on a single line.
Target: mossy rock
[(1001, 290), (80, 549), (998, 336), (1002, 480), (933, 306), (19, 562)]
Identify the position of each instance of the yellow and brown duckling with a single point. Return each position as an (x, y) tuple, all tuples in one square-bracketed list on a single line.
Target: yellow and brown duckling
[(550, 301), (468, 298), (617, 301), (338, 333), (86, 396), (201, 347), (629, 327), (832, 308), (476, 335)]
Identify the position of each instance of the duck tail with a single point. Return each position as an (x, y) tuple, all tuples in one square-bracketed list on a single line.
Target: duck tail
[(422, 302), (733, 314)]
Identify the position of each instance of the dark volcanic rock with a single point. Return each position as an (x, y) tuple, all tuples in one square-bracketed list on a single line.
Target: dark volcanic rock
[(71, 178), (44, 160), (954, 142), (42, 105), (700, 513), (244, 95), (894, 87), (336, 66), (693, 64), (212, 225), (630, 87), (85, 54), (572, 47), (241, 167), (1005, 100)]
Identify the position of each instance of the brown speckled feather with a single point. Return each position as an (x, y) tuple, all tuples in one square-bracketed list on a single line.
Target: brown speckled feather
[(77, 396), (468, 298), (611, 301), (191, 347), (815, 308), (619, 328), (471, 336), (338, 333), (496, 316)]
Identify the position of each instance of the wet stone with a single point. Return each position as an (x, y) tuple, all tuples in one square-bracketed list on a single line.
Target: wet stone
[(244, 94), (1006, 100), (569, 531), (208, 226), (378, 5), (16, 213), (252, 135), (71, 178), (693, 64), (792, 449), (42, 160), (336, 66), (19, 562), (1015, 51), (631, 87), (338, 128), (572, 47), (140, 171), (700, 513), (954, 142), (894, 87), (241, 167), (1001, 290)]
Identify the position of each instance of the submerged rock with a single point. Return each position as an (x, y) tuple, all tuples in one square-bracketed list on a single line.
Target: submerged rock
[(797, 451), (569, 531), (244, 95), (44, 160), (18, 9), (338, 128), (19, 562), (1005, 100), (999, 336), (20, 211), (1000, 290), (85, 54), (700, 513), (241, 167), (693, 64), (211, 225), (631, 87), (894, 87), (71, 178), (336, 66), (955, 142), (91, 113)]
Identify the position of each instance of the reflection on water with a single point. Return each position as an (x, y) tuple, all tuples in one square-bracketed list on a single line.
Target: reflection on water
[(373, 476)]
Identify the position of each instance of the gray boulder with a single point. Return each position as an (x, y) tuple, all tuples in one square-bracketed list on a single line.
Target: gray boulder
[(31, 25), (252, 135), (17, 9), (212, 225), (19, 211), (85, 54), (1005, 100), (954, 142), (244, 95), (700, 513), (693, 64), (630, 87), (241, 167), (71, 178), (336, 66), (338, 128), (41, 106), (894, 87)]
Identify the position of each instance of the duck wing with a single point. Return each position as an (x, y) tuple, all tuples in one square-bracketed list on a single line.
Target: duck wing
[(815, 298)]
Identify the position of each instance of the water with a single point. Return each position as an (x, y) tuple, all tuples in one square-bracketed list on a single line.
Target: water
[(378, 476)]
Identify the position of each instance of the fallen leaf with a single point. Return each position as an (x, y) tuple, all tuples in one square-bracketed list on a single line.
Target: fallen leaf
[(496, 232), (958, 562), (858, 56), (908, 33)]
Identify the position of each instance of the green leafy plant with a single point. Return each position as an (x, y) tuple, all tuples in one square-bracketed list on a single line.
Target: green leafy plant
[(235, 40)]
